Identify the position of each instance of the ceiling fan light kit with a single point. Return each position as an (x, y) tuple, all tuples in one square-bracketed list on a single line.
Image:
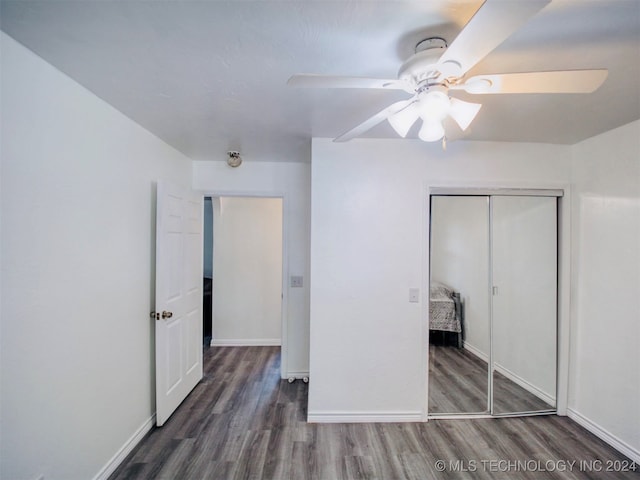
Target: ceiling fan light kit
[(436, 69), (463, 112), (433, 106), (431, 131), (403, 120)]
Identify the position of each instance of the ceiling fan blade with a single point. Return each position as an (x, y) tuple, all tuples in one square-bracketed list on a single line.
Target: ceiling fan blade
[(373, 121), (309, 80), (567, 81), (489, 27)]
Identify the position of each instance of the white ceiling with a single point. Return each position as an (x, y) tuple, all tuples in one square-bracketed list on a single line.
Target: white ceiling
[(210, 76)]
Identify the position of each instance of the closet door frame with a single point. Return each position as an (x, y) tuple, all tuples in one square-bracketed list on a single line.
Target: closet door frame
[(562, 193)]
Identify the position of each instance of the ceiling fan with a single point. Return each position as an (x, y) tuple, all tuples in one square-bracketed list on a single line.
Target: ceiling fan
[(436, 70)]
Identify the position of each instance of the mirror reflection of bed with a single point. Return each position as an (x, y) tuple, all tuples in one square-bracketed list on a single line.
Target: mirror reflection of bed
[(457, 378), (461, 302)]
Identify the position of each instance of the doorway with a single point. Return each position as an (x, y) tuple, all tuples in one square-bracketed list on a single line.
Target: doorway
[(207, 270), (244, 259), (493, 304)]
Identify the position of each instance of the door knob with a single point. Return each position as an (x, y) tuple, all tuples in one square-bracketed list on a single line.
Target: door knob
[(166, 314)]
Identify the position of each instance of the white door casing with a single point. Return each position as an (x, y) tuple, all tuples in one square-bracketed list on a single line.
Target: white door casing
[(178, 297)]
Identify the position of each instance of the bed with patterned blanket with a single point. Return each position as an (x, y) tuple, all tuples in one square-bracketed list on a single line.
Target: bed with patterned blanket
[(445, 310)]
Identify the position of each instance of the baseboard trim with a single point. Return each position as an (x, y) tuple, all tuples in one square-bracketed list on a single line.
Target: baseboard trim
[(364, 417), (606, 436), (126, 449), (529, 387), (246, 342), (475, 351), (542, 395)]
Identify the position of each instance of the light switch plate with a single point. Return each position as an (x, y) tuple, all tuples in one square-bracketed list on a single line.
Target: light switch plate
[(296, 281), (414, 295)]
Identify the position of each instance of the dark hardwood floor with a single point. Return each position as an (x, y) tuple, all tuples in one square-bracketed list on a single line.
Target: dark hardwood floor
[(243, 422), (458, 384), (457, 381)]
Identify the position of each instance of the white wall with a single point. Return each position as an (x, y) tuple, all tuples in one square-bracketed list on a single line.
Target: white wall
[(247, 285), (78, 225), (291, 181), (368, 247), (605, 362)]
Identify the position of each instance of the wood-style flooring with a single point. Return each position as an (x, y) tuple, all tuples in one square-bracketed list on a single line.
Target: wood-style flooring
[(243, 422), (458, 383)]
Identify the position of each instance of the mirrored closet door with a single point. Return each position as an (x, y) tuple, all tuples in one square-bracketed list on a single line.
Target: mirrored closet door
[(459, 305), (492, 309), (524, 298)]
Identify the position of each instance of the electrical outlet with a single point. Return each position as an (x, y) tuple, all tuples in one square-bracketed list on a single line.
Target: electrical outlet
[(296, 281)]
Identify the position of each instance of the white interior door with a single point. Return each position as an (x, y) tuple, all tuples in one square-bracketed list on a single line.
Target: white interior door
[(178, 297)]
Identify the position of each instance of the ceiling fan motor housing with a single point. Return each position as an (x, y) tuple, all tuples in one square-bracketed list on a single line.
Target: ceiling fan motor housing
[(423, 69)]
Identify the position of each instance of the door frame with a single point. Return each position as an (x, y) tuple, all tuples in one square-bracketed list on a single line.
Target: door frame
[(563, 194), (284, 310)]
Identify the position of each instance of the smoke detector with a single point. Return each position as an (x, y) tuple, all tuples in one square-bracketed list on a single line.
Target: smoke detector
[(234, 159)]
